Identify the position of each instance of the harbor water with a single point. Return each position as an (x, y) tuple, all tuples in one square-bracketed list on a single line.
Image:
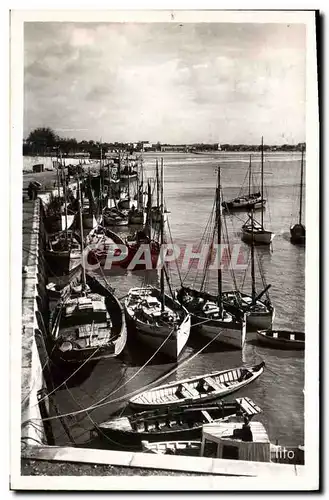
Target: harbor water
[(189, 190)]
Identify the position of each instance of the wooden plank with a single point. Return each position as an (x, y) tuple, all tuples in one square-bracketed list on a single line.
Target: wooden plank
[(214, 385), (207, 416)]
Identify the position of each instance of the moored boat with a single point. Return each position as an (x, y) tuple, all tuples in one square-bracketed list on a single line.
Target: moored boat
[(160, 322), (88, 321), (173, 424), (252, 231), (298, 230), (199, 389), (282, 339)]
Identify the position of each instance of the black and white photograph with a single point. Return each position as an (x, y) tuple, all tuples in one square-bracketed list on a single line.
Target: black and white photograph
[(165, 314)]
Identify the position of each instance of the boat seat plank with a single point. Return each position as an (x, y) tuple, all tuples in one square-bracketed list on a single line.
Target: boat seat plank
[(191, 390), (249, 406), (214, 385), (207, 416)]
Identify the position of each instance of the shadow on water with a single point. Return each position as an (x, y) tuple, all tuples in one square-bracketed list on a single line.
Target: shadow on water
[(61, 373)]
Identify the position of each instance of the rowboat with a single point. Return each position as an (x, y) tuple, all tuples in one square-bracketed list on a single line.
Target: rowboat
[(282, 339), (198, 390), (168, 424), (166, 328), (88, 323)]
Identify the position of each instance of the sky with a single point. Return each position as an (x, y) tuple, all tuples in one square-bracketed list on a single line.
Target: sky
[(168, 82)]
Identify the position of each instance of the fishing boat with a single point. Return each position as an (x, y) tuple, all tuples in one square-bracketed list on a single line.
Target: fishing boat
[(245, 202), (168, 424), (88, 321), (160, 321), (114, 217), (298, 231), (62, 252), (198, 390), (259, 313), (253, 231), (282, 339), (208, 312)]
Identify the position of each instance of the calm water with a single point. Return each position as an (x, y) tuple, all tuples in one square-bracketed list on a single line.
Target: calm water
[(189, 195)]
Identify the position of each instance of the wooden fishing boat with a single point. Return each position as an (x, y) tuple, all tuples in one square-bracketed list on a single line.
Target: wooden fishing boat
[(88, 323), (63, 252), (199, 389), (246, 202), (259, 313), (218, 434), (298, 230), (282, 339), (252, 231), (114, 217), (173, 424), (210, 318), (159, 320)]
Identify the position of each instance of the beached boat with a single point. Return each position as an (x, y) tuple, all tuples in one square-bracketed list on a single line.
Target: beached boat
[(168, 424), (298, 230), (199, 389), (210, 318), (282, 339), (247, 201)]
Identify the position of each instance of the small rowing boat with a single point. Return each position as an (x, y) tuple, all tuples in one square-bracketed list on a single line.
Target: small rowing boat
[(282, 339), (173, 424), (198, 390)]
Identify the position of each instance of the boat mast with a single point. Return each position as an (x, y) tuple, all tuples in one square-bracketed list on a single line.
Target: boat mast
[(249, 174), (253, 283), (161, 239), (301, 189), (262, 180), (157, 182), (101, 181), (219, 241), (65, 200), (81, 233)]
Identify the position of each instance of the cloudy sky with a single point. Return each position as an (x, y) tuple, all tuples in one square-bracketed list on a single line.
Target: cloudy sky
[(166, 82)]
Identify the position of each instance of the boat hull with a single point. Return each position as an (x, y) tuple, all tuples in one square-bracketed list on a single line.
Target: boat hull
[(298, 234), (260, 319), (266, 337), (259, 237), (233, 207), (154, 336), (224, 383)]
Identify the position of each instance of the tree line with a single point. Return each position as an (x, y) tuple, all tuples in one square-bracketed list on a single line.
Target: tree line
[(43, 141)]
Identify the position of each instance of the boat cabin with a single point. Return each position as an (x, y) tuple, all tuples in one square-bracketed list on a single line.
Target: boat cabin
[(237, 441)]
